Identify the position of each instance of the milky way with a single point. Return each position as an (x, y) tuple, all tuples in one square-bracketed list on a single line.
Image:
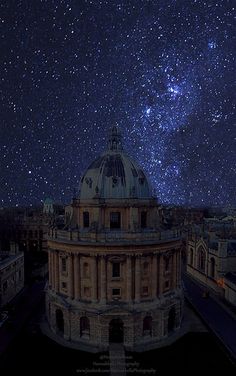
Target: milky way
[(163, 71)]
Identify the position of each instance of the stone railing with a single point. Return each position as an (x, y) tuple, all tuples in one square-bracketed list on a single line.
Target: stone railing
[(113, 236)]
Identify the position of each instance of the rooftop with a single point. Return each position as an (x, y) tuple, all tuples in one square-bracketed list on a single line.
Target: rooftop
[(6, 258)]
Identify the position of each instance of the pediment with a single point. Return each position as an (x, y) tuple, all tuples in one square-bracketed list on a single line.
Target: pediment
[(200, 243)]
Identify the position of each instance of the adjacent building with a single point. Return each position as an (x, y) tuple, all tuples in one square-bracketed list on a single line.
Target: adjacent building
[(230, 287), (11, 274), (211, 250)]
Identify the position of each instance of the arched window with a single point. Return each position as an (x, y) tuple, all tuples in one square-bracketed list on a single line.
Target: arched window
[(115, 269), (147, 326), (86, 270), (63, 265), (191, 256), (60, 321), (167, 263), (171, 320), (201, 259), (145, 268), (84, 327), (212, 267)]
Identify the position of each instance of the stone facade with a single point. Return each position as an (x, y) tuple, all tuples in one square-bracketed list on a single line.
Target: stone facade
[(230, 288), (11, 274), (114, 271), (211, 252)]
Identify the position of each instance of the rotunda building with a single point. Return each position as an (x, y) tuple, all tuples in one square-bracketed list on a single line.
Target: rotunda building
[(114, 270)]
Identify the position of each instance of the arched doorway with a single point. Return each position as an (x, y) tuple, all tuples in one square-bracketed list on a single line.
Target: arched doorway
[(147, 326), (116, 331), (60, 321), (212, 269), (171, 320), (84, 327)]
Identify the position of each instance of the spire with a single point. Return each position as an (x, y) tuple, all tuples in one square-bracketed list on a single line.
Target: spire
[(115, 139)]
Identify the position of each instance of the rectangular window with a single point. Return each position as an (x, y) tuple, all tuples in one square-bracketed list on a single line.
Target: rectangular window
[(143, 219), (115, 292), (86, 219), (63, 264), (167, 284), (116, 269), (115, 220)]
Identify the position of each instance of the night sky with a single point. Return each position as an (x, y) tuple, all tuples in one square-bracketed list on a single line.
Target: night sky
[(163, 71)]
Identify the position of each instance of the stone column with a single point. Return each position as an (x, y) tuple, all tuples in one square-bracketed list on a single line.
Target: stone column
[(160, 274), (49, 269), (137, 278), (154, 277), (71, 276), (174, 271), (76, 277), (56, 266), (52, 269), (103, 275), (94, 277), (128, 279), (178, 268)]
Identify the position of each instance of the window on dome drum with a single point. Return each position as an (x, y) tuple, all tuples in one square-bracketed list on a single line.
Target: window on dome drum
[(143, 219), (115, 221), (63, 264), (115, 292), (116, 269), (86, 219)]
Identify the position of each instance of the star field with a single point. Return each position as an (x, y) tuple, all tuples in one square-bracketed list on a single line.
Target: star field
[(163, 71)]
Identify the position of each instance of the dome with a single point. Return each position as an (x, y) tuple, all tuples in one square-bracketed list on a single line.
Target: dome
[(114, 175)]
